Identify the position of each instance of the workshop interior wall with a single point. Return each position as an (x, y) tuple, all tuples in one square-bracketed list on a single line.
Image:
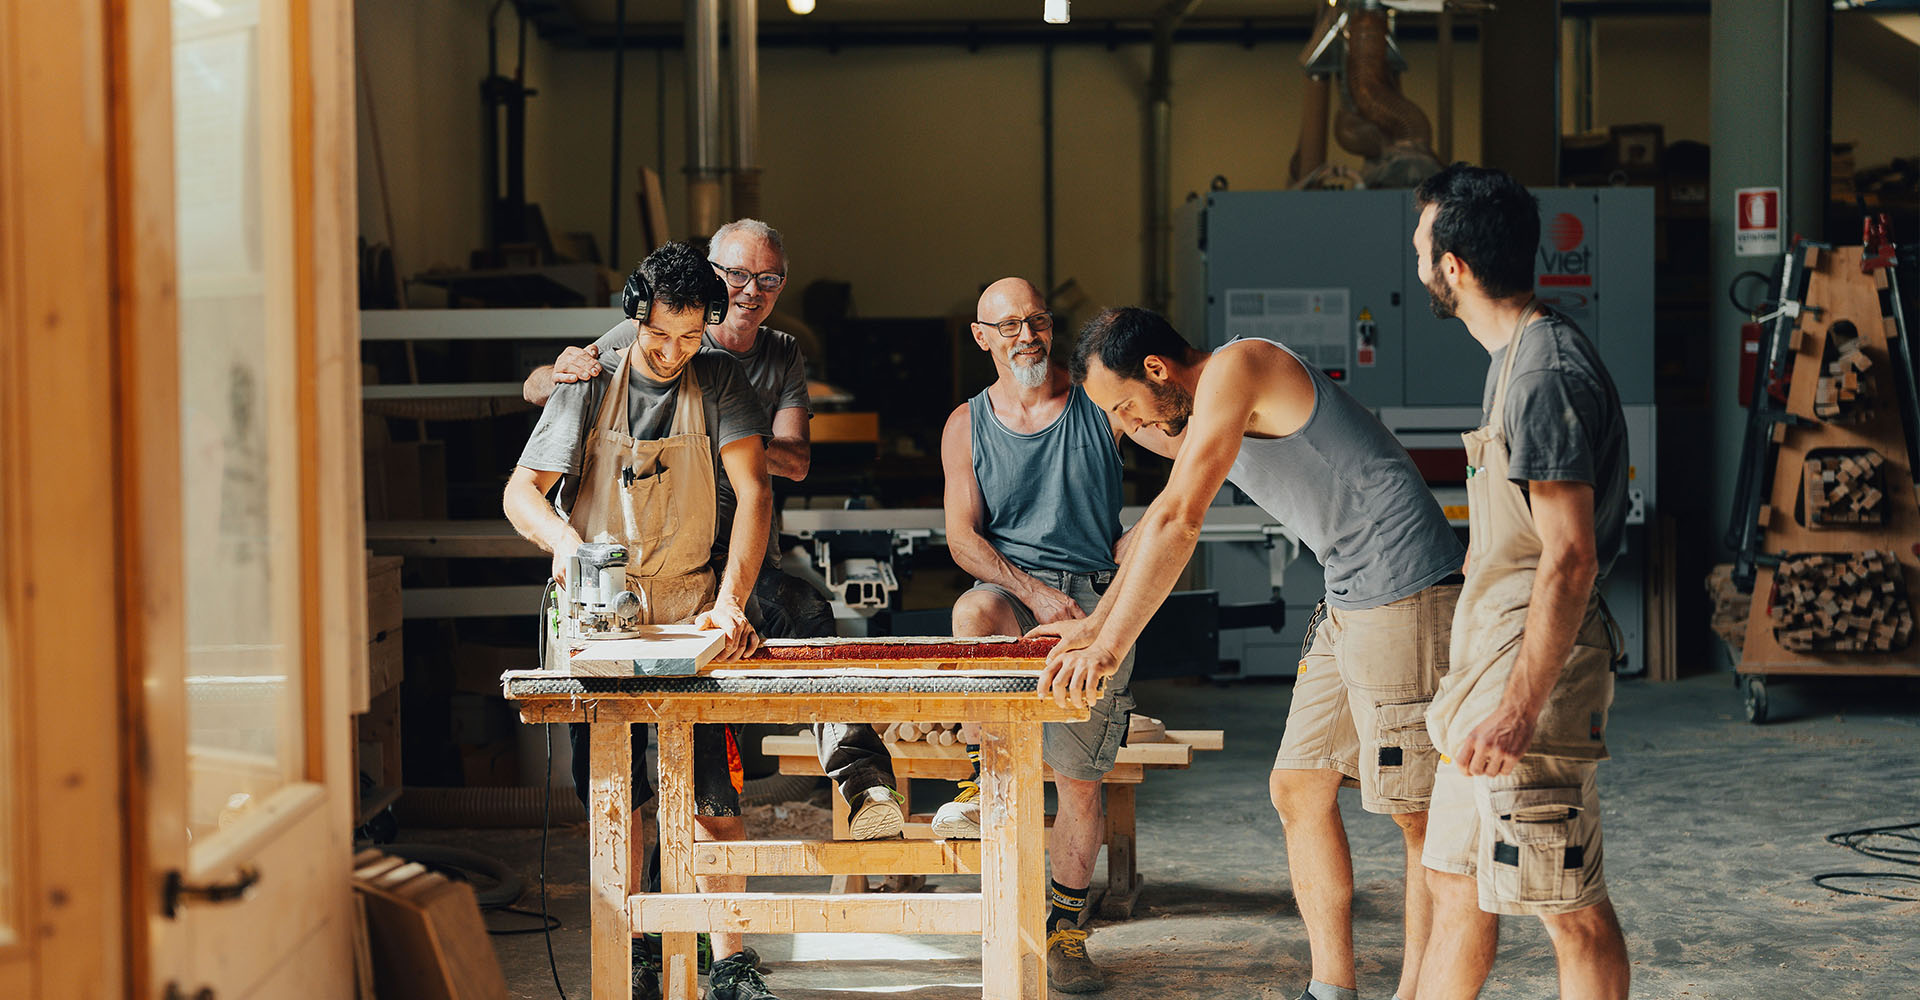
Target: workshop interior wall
[(913, 172)]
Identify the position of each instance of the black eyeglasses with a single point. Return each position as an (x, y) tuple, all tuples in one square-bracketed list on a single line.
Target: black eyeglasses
[(767, 280), (1039, 322)]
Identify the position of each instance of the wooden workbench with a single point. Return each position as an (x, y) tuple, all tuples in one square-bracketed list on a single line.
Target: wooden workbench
[(802, 681)]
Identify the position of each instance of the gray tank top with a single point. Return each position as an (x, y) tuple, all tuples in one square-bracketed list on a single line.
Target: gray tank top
[(1053, 497), (1349, 490)]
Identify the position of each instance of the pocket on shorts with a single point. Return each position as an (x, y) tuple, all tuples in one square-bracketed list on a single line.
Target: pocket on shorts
[(1534, 844), (1403, 757)]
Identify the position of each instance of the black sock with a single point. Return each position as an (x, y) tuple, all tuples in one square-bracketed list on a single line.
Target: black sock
[(973, 756), (1065, 905)]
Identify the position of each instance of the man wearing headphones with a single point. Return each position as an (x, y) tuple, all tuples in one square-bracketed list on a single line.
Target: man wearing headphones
[(688, 414), (752, 258)]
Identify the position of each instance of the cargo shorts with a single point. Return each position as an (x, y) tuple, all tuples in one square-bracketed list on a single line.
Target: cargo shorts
[(1081, 750), (1360, 700), (1530, 838)]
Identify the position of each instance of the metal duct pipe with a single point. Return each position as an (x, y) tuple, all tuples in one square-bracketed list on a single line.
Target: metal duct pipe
[(746, 110), (1354, 131), (1160, 153), (1376, 94), (703, 116)]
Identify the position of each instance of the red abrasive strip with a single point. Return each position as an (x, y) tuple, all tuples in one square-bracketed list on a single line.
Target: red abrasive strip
[(801, 650)]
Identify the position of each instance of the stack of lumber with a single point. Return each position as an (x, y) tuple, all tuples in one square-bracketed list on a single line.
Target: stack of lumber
[(1844, 394), (937, 733), (1730, 606), (424, 937), (1844, 488), (1841, 602)]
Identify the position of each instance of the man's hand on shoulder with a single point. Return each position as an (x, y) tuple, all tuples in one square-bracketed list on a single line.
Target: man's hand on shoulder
[(577, 364)]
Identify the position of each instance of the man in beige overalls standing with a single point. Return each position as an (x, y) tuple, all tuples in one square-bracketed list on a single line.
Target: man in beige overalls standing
[(634, 452), (1514, 825)]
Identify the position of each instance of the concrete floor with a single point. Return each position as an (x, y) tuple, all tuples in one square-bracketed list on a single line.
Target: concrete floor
[(1714, 829)]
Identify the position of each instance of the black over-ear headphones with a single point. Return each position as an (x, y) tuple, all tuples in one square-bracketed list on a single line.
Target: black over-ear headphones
[(636, 299)]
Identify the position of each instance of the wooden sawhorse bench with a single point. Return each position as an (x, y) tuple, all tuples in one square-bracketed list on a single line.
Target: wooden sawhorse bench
[(992, 680), (1113, 901)]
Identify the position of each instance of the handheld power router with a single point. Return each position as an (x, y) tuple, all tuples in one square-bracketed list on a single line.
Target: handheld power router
[(597, 603)]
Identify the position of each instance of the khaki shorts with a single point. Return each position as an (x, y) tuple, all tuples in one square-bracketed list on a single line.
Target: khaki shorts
[(1360, 701), (1530, 839), (1080, 750)]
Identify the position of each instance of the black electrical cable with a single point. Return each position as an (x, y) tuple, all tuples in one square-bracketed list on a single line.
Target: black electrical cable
[(1857, 841), (1733, 292), (547, 923)]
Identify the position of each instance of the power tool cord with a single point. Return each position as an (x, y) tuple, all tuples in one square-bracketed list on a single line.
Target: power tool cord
[(1861, 842), (546, 824)]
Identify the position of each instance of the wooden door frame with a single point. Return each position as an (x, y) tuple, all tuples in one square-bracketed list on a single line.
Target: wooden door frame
[(90, 499)]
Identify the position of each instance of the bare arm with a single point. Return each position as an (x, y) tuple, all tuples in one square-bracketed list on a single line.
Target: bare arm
[(535, 519), (790, 453), (745, 463), (1563, 515), (966, 511)]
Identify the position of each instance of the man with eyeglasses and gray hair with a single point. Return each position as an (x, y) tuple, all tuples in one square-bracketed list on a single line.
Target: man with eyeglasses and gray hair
[(1033, 513)]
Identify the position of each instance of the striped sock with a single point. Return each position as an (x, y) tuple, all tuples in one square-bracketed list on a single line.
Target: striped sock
[(973, 755), (1066, 905)]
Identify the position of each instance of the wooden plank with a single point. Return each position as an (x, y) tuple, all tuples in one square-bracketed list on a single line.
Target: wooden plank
[(811, 913), (609, 826), (660, 650), (1012, 862), (676, 810), (782, 708), (1199, 739), (801, 747)]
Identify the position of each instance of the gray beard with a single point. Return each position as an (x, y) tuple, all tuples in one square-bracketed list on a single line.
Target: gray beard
[(1031, 376)]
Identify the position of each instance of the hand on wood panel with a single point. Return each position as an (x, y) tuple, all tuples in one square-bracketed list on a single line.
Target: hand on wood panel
[(562, 551), (1074, 678), (742, 640)]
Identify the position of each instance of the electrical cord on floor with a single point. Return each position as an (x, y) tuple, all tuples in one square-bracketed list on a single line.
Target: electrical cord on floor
[(1860, 842)]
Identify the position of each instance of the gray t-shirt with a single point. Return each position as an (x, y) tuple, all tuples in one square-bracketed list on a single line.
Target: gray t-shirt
[(1563, 422), (559, 440), (776, 368)]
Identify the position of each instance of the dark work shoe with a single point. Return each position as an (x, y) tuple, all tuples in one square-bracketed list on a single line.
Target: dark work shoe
[(1069, 970), (646, 971), (735, 978)]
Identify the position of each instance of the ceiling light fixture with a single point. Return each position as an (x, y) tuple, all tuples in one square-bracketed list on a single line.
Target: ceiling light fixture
[(1055, 12), (800, 6)]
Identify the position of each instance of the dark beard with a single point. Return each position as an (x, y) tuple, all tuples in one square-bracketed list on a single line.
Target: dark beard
[(1440, 298), (1176, 406)]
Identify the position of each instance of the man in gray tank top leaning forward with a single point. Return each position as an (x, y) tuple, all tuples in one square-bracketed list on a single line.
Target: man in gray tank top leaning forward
[(751, 258), (1254, 414), (1033, 512)]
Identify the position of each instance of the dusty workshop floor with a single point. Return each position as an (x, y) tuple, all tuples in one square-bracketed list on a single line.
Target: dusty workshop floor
[(1714, 829)]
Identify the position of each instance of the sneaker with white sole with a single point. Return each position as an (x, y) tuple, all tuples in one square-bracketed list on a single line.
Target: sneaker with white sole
[(877, 815), (960, 819)]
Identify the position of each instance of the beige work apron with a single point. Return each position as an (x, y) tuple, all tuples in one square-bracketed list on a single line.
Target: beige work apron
[(1504, 553), (657, 498)]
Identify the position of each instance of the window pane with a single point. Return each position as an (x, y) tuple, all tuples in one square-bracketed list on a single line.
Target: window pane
[(238, 427)]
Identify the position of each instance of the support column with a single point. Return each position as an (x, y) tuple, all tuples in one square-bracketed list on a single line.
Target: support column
[(1519, 109), (703, 117), (1770, 104), (609, 826), (1013, 938), (678, 964)]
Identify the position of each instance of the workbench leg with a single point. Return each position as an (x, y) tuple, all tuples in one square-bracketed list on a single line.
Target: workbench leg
[(1013, 936), (610, 825), (679, 968), (1123, 876)]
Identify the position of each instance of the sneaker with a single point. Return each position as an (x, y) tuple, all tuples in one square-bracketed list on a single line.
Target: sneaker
[(646, 970), (735, 978), (960, 819), (878, 815), (1069, 970)]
